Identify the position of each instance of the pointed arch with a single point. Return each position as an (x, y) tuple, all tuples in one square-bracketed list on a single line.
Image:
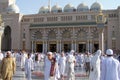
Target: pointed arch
[(81, 34), (38, 35), (51, 34), (6, 40), (66, 34)]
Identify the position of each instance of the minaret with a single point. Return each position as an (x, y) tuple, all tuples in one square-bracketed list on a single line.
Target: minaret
[(49, 5), (4, 4)]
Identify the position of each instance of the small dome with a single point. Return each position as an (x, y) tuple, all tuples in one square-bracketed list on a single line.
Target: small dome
[(69, 8), (96, 6), (44, 9), (83, 7), (56, 9), (13, 8)]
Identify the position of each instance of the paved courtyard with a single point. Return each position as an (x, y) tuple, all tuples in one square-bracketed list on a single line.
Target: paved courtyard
[(37, 74)]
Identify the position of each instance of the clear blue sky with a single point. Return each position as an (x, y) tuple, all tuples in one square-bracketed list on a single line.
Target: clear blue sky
[(33, 6)]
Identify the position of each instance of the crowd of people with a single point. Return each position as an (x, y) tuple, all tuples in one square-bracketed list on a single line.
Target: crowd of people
[(98, 66)]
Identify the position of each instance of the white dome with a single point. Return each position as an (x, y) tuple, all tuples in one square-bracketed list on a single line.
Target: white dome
[(56, 8), (69, 8), (13, 8), (96, 6), (44, 9), (83, 7)]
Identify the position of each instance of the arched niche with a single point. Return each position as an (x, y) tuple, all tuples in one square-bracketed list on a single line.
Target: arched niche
[(66, 34), (51, 34), (38, 35), (6, 40)]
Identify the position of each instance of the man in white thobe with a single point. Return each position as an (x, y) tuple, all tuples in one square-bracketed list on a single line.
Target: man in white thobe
[(57, 72), (47, 66), (62, 65), (17, 58), (28, 67), (110, 67), (51, 70), (23, 58), (70, 65), (95, 66)]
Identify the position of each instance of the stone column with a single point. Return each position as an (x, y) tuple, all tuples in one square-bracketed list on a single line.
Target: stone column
[(72, 45), (1, 32), (43, 47), (32, 46), (57, 46), (75, 45), (60, 46), (46, 47), (35, 48), (88, 46), (101, 39)]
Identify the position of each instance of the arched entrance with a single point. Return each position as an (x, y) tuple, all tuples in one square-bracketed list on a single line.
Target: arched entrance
[(6, 41), (66, 36), (52, 43)]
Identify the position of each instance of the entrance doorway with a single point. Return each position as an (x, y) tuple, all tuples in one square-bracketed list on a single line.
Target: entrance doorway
[(96, 47), (39, 47), (53, 47), (6, 41), (67, 47), (82, 47)]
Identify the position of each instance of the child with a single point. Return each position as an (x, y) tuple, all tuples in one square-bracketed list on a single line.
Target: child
[(28, 67)]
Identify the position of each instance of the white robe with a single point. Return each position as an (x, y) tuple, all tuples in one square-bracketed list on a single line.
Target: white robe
[(47, 67), (28, 68), (57, 72), (70, 67), (23, 58), (110, 69), (1, 56), (62, 65), (95, 65)]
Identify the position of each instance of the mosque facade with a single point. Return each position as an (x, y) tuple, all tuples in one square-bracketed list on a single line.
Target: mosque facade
[(58, 29)]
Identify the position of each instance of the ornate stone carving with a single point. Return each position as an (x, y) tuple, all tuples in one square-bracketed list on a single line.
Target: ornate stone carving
[(81, 33), (52, 34)]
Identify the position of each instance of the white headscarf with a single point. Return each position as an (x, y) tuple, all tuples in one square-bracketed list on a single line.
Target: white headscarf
[(96, 58), (72, 52)]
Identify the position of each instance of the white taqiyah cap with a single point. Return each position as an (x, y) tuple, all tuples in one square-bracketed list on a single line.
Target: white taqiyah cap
[(49, 53), (109, 52)]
